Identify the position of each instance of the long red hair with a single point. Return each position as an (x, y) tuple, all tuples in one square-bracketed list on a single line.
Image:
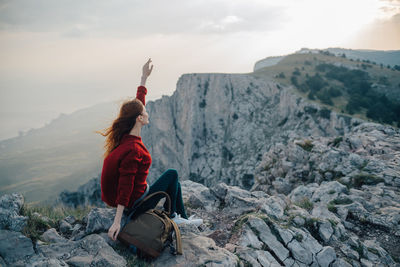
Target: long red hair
[(123, 124)]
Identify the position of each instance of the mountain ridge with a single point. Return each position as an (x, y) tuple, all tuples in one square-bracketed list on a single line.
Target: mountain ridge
[(198, 130)]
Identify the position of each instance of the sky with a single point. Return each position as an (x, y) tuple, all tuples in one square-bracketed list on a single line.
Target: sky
[(60, 56)]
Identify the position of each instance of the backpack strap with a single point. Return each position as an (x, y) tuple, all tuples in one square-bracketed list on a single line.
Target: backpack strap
[(135, 207), (178, 237), (168, 199)]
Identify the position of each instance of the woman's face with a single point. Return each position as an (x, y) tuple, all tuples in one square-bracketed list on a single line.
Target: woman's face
[(144, 117)]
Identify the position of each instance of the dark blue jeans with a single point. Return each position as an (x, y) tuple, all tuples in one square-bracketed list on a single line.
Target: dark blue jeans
[(167, 182)]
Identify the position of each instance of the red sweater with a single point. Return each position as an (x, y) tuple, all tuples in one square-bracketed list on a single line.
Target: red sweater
[(125, 169)]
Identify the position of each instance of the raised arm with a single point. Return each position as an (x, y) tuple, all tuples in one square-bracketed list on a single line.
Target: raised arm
[(142, 90)]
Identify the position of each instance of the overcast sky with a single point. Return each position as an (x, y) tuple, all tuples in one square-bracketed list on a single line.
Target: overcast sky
[(59, 56)]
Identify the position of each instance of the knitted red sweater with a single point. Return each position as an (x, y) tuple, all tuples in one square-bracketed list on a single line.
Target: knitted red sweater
[(125, 169)]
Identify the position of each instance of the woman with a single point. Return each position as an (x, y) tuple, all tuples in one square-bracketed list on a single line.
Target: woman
[(126, 165)]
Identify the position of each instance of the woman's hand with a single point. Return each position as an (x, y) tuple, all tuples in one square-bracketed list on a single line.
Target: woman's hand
[(146, 69), (146, 72), (114, 230)]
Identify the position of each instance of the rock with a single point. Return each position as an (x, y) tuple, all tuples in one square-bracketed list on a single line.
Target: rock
[(328, 191), (76, 229), (341, 263), (300, 253), (10, 218), (299, 221), (80, 261), (274, 206), (240, 201), (249, 239), (87, 194), (325, 231), (265, 235), (349, 252), (285, 234), (41, 261), (257, 257), (14, 246), (92, 247), (101, 219), (301, 192), (326, 256), (65, 227), (366, 263), (70, 219), (282, 185), (197, 250), (52, 236), (199, 196)]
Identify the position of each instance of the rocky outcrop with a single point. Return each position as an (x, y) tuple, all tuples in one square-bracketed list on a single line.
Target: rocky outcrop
[(87, 194), (327, 224), (216, 127), (368, 155), (315, 224), (278, 181), (86, 243)]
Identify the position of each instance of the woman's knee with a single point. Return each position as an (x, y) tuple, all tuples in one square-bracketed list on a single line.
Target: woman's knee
[(172, 172)]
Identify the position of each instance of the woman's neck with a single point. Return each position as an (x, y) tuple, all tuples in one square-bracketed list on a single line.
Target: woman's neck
[(136, 130)]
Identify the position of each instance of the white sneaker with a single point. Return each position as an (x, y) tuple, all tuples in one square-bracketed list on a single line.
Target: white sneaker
[(194, 221), (179, 220)]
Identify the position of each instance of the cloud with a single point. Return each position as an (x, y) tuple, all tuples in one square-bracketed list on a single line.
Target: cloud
[(137, 18), (382, 34)]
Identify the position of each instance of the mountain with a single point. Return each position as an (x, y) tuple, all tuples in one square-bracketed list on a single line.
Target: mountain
[(214, 128), (387, 58), (362, 89), (60, 156), (294, 164)]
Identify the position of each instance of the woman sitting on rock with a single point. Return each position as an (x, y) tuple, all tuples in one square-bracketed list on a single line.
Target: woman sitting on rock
[(127, 162)]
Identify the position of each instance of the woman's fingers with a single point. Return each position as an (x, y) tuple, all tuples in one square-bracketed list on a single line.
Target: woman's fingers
[(148, 62), (146, 69), (113, 232)]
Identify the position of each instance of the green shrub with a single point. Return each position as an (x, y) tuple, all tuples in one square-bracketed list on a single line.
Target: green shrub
[(315, 83), (324, 97), (334, 92), (332, 208), (36, 226), (306, 204), (325, 113), (299, 237), (296, 72), (336, 141), (341, 201), (333, 222), (366, 179), (293, 80)]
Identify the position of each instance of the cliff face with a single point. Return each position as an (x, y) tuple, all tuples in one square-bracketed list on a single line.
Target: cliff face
[(216, 127), (317, 188)]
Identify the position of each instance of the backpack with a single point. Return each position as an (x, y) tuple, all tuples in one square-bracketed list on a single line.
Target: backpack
[(151, 231)]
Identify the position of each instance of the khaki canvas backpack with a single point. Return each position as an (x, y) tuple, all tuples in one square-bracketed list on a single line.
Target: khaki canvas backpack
[(150, 232)]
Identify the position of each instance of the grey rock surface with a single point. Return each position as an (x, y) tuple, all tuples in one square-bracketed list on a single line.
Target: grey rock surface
[(277, 181), (10, 206)]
